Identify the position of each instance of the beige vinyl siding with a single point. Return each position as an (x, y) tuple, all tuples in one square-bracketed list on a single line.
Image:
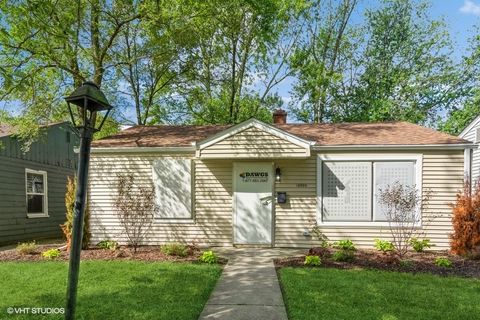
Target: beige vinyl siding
[(442, 174), (253, 143), (212, 223)]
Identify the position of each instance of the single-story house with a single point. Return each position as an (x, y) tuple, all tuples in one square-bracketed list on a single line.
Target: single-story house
[(33, 183), (472, 133), (259, 184)]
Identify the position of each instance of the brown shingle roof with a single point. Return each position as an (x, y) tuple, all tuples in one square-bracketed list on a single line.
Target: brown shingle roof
[(5, 130), (325, 134)]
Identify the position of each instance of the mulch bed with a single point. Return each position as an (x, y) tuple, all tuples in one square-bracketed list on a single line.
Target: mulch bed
[(412, 262), (145, 253)]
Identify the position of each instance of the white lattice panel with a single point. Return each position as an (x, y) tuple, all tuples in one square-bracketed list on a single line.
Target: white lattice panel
[(346, 191), (173, 187), (387, 174)]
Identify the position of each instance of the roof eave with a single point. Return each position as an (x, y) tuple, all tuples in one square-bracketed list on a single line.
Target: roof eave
[(459, 146)]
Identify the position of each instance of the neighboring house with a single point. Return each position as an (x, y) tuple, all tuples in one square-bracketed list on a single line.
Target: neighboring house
[(260, 184), (33, 184), (472, 133)]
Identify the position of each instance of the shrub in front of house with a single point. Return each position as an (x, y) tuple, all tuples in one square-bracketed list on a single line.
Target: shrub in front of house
[(384, 246), (346, 252), (175, 249), (344, 256), (312, 261), (345, 245), (420, 245), (26, 247), (208, 257), (108, 244), (443, 262), (465, 239), (51, 254)]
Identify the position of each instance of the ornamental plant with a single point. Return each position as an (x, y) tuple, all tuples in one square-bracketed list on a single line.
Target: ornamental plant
[(313, 261), (26, 247), (465, 239), (208, 257), (443, 262), (346, 252), (420, 245), (108, 244), (343, 256), (384, 246), (345, 245), (67, 226), (51, 254), (175, 249)]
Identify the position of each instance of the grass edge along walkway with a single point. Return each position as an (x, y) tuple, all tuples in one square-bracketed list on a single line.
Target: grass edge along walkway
[(328, 293), (110, 289)]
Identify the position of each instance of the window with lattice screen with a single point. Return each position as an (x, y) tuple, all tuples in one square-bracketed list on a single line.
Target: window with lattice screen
[(387, 174), (346, 191), (350, 189)]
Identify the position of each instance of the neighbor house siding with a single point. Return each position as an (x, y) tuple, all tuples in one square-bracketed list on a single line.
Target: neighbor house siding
[(475, 165), (212, 216), (253, 143), (14, 224), (442, 174), (51, 153), (52, 147)]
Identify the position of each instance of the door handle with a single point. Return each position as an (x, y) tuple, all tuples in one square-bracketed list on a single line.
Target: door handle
[(266, 200)]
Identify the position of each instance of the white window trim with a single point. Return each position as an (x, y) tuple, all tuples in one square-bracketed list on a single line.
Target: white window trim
[(418, 158), (45, 193)]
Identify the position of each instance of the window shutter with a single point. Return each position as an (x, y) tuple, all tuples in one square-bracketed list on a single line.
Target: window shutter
[(387, 174), (346, 191), (173, 188)]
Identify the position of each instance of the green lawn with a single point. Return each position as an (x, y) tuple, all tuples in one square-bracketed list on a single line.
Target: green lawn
[(326, 293), (110, 289)]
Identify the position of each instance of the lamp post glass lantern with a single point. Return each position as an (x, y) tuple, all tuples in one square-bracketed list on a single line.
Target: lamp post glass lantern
[(84, 104)]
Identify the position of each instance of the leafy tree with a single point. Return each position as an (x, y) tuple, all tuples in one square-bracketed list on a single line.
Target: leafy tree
[(407, 71), (320, 62), (50, 47), (151, 58), (396, 66), (468, 108), (238, 59)]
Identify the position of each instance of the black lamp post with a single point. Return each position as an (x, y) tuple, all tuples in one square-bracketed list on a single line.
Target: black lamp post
[(89, 101)]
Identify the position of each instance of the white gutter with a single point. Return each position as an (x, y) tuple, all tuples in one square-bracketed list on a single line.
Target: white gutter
[(140, 149), (459, 146), (193, 148)]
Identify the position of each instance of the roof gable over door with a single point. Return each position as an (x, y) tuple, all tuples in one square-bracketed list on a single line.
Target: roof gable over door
[(253, 139)]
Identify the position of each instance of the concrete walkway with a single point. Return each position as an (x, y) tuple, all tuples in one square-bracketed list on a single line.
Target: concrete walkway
[(248, 288)]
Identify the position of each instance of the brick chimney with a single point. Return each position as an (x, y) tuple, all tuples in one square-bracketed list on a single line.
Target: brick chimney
[(279, 116)]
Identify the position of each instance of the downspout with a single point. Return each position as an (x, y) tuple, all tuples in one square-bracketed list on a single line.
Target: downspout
[(467, 167)]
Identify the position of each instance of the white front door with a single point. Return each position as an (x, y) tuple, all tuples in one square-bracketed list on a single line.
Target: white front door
[(253, 202)]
